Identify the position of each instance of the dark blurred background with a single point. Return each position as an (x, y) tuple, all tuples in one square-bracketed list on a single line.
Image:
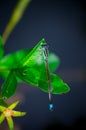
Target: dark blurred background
[(63, 24)]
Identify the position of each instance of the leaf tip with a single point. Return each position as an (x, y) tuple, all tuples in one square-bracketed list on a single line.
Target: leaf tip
[(23, 113), (43, 41)]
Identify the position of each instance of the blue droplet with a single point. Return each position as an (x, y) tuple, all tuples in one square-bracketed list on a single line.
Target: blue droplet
[(51, 106)]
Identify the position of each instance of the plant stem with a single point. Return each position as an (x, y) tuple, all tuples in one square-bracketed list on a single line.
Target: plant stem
[(15, 18)]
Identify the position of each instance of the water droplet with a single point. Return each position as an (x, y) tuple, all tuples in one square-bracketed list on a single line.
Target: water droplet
[(51, 106)]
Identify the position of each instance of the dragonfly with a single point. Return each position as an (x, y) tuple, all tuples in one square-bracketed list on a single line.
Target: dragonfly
[(38, 61), (45, 55)]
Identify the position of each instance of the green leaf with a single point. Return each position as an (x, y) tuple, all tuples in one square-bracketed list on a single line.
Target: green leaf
[(1, 48), (35, 57), (10, 123), (11, 61), (57, 84), (9, 86), (33, 71), (38, 78), (32, 65), (29, 75), (32, 57), (13, 105), (2, 117), (2, 108), (4, 74), (18, 113), (53, 61)]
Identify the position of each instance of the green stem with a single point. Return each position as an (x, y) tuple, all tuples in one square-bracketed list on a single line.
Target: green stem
[(15, 18)]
